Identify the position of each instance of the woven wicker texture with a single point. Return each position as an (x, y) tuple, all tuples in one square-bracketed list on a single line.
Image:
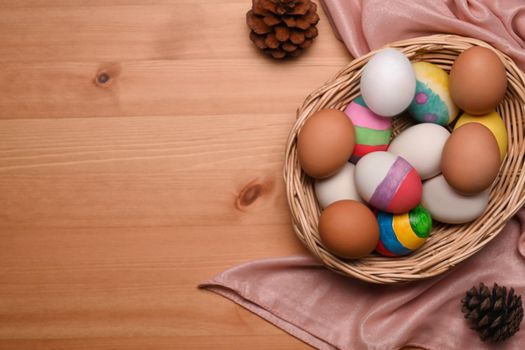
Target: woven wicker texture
[(448, 244)]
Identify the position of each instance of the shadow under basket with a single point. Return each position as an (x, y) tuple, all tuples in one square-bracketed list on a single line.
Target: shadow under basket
[(447, 245)]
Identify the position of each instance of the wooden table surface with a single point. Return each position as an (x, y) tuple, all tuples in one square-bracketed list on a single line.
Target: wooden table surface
[(118, 198)]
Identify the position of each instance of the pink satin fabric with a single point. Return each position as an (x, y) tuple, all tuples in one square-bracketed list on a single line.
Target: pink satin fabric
[(366, 25), (329, 311)]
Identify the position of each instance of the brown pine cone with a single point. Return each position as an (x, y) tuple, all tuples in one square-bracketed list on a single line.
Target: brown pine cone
[(282, 27), (496, 315)]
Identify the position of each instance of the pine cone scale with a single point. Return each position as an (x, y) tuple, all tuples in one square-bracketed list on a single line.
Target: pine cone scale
[(271, 41), (297, 37), (485, 305), (271, 20), (311, 32), (289, 47), (484, 321), (306, 44), (282, 33), (258, 40), (496, 322), (473, 302), (290, 21), (302, 23), (498, 305), (474, 315), (256, 23)]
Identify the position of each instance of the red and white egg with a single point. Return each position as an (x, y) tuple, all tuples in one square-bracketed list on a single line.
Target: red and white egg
[(388, 182)]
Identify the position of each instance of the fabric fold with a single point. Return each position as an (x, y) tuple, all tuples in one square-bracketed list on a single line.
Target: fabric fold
[(331, 311), (370, 24)]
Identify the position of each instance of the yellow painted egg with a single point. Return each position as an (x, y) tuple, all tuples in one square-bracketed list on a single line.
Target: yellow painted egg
[(494, 123), (432, 102)]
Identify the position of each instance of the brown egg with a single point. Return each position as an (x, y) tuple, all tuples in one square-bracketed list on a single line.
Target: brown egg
[(349, 229), (470, 160), (478, 80), (325, 143)]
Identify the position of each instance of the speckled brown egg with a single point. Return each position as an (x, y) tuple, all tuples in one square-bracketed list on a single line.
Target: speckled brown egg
[(325, 143), (478, 80), (470, 160), (348, 229)]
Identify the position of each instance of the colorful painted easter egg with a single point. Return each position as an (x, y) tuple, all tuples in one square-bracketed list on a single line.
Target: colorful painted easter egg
[(372, 132), (494, 123), (432, 102), (388, 182), (403, 233)]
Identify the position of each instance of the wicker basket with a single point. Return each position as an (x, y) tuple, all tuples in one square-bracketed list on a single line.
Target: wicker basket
[(448, 244)]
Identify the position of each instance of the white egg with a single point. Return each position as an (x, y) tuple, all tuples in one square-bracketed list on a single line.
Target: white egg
[(421, 145), (388, 83), (337, 187), (448, 206)]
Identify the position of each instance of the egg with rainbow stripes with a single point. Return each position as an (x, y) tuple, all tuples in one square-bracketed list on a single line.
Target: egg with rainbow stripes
[(388, 182), (372, 132), (401, 234), (432, 102)]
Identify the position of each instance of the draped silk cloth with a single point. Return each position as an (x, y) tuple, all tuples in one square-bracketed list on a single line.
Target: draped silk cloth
[(365, 25), (330, 311)]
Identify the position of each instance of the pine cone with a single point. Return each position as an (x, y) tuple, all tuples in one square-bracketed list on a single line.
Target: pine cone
[(495, 315), (282, 27)]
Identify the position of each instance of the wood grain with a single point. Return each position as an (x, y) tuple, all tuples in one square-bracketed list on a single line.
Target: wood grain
[(116, 199), (123, 30), (246, 87)]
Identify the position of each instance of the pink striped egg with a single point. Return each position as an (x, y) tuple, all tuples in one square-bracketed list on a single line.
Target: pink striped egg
[(372, 132), (388, 182)]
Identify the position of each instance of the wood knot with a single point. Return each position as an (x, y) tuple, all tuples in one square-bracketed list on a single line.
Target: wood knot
[(105, 77), (251, 192)]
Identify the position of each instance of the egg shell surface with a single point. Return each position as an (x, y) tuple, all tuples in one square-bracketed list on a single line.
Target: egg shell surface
[(325, 143), (421, 145), (478, 80), (470, 160), (388, 83), (449, 206), (494, 123), (432, 102), (348, 229), (372, 132), (388, 182), (401, 234), (337, 187)]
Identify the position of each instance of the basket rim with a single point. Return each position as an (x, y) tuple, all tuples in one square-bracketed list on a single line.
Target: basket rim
[(340, 87)]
